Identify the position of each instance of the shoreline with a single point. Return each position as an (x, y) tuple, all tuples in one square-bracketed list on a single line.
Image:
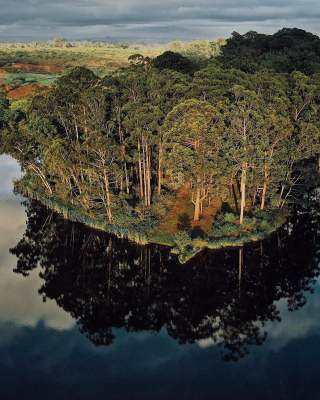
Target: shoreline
[(180, 244)]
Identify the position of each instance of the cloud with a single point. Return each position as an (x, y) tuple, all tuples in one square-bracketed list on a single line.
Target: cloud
[(26, 308), (150, 19), (9, 171), (31, 309)]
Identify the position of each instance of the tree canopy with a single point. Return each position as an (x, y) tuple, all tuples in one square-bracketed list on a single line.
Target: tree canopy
[(166, 137), (287, 50)]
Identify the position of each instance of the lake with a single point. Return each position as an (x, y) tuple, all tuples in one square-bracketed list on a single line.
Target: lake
[(84, 315)]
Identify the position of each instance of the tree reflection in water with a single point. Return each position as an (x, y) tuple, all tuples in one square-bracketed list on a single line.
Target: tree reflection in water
[(226, 296)]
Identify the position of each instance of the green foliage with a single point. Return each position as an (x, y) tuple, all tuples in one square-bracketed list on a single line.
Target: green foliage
[(198, 50), (175, 62), (101, 57), (17, 79), (20, 105), (182, 242), (260, 223), (145, 144), (286, 51)]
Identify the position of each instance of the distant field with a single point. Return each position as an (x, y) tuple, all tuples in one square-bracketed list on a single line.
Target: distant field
[(26, 68), (21, 78), (34, 65), (100, 59), (20, 85)]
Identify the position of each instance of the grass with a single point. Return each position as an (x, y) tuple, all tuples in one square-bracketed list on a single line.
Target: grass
[(26, 65), (226, 231), (238, 239), (137, 233), (21, 78), (101, 59), (43, 63)]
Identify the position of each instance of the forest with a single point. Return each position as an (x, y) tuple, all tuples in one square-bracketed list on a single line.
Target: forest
[(174, 150)]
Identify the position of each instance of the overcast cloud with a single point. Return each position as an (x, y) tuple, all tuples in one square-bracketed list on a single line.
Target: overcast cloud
[(153, 20)]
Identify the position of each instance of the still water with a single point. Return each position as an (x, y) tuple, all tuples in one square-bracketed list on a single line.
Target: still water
[(87, 316)]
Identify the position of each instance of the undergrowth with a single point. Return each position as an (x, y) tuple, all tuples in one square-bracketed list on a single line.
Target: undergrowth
[(226, 230)]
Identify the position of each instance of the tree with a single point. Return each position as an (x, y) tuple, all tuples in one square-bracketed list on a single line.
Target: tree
[(286, 51), (167, 89), (126, 144), (5, 117), (193, 132), (63, 104), (174, 61), (101, 164), (246, 126), (139, 60)]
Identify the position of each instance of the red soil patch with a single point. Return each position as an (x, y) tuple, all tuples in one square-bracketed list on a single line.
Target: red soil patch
[(36, 68), (2, 72), (25, 91), (182, 206)]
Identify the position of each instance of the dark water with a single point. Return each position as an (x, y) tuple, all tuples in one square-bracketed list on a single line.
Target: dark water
[(87, 316)]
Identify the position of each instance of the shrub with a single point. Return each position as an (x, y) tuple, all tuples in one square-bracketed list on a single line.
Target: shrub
[(182, 241), (174, 61)]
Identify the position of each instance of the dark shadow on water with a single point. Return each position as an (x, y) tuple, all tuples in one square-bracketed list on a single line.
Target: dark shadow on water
[(225, 296)]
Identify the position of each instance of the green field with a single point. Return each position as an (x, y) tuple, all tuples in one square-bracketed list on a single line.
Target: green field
[(17, 79), (101, 57)]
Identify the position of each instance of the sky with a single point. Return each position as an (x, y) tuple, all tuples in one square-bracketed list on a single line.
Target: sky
[(151, 20)]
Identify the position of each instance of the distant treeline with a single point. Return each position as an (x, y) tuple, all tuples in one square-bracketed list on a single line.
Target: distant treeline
[(286, 51), (100, 56)]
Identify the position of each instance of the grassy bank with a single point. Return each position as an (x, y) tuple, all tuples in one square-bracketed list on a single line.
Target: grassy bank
[(226, 232)]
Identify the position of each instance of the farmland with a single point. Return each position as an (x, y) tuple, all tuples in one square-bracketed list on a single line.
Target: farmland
[(27, 67)]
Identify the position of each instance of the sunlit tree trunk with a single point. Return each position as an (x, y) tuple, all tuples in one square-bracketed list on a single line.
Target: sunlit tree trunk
[(196, 201), (265, 187), (243, 190), (280, 196), (43, 178), (126, 178), (149, 174), (160, 168), (108, 197), (144, 169), (140, 171)]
